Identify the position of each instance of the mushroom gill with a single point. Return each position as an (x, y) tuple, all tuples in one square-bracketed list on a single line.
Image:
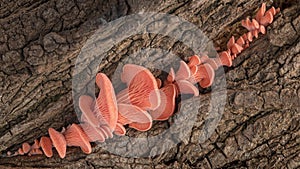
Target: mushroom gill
[(58, 141), (75, 136), (106, 103)]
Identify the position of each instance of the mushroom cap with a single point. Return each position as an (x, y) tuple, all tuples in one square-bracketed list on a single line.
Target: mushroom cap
[(106, 102), (171, 76), (236, 49), (194, 60), (262, 29), (225, 59), (75, 136), (167, 106), (46, 145), (267, 19), (58, 141), (231, 42), (36, 144), (93, 133), (142, 87), (26, 147), (261, 12), (35, 151), (159, 83), (212, 63), (206, 74), (186, 87), (240, 41), (183, 72), (85, 104), (120, 130), (141, 126), (131, 113)]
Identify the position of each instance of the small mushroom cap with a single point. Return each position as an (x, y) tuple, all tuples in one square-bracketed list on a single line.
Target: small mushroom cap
[(20, 151), (255, 24), (194, 60), (133, 113), (236, 49), (106, 102), (193, 69), (225, 59), (36, 144), (141, 126), (183, 72), (159, 83), (88, 116), (120, 130), (75, 136), (93, 133), (142, 88), (267, 19), (129, 72), (212, 63), (186, 87), (240, 41), (249, 37), (167, 106), (261, 12), (231, 42), (262, 29), (46, 145), (207, 75), (35, 151), (171, 76), (58, 141), (26, 147)]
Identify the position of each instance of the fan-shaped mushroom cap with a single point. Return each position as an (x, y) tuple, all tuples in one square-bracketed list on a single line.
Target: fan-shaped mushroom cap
[(58, 141), (142, 88), (236, 49), (183, 71), (206, 74), (106, 102), (231, 42), (132, 113), (194, 60), (212, 63), (120, 130), (167, 106), (36, 144), (267, 19), (35, 151), (240, 41), (46, 145), (159, 83), (20, 151), (261, 12), (85, 104), (26, 147), (171, 76), (262, 29), (141, 126), (75, 136), (93, 133), (186, 87), (225, 59)]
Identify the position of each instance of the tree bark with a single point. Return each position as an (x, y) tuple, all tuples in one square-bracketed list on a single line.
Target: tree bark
[(39, 43)]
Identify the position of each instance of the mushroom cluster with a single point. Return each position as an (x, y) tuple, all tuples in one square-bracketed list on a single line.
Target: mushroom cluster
[(145, 97)]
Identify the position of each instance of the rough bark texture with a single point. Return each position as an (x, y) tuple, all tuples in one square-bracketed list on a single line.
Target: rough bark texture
[(260, 127)]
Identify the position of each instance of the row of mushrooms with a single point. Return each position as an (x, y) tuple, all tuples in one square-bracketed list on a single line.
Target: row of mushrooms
[(145, 97)]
